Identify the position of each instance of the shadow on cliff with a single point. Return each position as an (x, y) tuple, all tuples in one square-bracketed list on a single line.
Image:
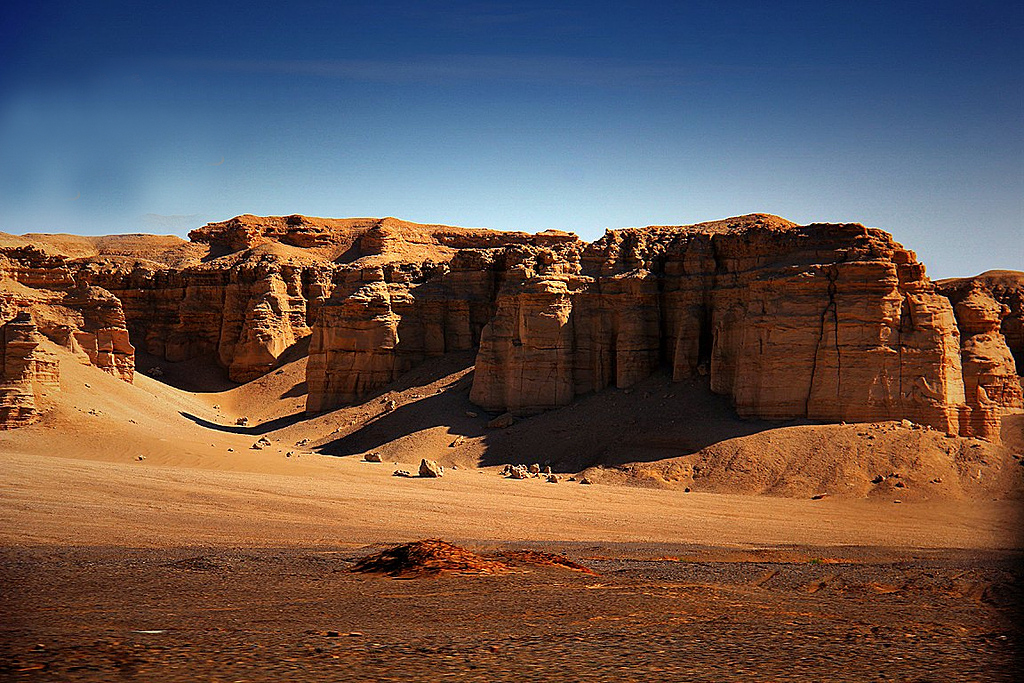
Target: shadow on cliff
[(255, 430)]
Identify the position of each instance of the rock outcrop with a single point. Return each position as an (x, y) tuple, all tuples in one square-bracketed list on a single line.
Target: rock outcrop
[(992, 386), (88, 321), (826, 322), (26, 371)]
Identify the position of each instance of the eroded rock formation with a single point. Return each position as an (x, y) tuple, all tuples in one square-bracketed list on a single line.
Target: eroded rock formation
[(88, 321), (992, 386), (830, 322), (26, 370), (827, 322)]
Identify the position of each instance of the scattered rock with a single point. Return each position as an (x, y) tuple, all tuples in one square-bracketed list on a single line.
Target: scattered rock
[(430, 469), (503, 421), (302, 442), (516, 472), (261, 444), (534, 468), (552, 478), (155, 371), (242, 421), (585, 480), (459, 440), (401, 473), (906, 424), (470, 413), (372, 457), (390, 405), (818, 496), (140, 457)]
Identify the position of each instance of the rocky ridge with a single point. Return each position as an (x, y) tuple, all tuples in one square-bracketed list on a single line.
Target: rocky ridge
[(827, 322)]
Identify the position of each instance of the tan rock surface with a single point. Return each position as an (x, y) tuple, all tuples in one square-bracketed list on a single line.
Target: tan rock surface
[(827, 322), (26, 371), (831, 322), (991, 383)]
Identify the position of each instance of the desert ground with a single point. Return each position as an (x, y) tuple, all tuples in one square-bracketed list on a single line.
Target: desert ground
[(207, 559)]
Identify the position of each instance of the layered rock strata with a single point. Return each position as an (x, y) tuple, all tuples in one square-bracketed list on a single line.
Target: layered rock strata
[(829, 322), (26, 371), (992, 386), (88, 321)]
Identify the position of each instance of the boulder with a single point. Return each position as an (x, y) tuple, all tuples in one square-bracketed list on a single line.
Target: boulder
[(503, 421), (430, 469)]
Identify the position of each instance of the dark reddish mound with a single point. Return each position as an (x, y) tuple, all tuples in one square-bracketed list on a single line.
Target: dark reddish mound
[(538, 559), (428, 558), (432, 556)]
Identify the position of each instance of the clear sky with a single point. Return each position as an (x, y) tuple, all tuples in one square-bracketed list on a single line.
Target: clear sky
[(145, 117)]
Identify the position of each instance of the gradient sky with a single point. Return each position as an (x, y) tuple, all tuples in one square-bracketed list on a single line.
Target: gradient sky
[(136, 117)]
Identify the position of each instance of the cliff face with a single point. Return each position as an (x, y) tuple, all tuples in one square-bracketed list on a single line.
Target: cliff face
[(88, 321), (828, 322), (381, 321), (244, 314), (26, 370), (989, 309)]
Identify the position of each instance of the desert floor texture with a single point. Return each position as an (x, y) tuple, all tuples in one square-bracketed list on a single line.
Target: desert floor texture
[(207, 559)]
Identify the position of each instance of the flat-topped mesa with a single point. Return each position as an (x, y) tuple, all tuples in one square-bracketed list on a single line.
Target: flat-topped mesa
[(832, 322), (248, 231), (829, 322), (26, 370)]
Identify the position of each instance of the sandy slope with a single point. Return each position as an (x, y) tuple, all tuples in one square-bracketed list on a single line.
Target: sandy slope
[(76, 477)]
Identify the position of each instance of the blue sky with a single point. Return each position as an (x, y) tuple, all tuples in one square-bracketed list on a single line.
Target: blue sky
[(119, 117)]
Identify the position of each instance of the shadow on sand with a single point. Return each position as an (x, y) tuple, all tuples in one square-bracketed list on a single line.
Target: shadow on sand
[(255, 430), (655, 420)]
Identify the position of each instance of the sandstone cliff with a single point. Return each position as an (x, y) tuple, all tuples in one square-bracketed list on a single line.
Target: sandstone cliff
[(827, 322), (89, 321), (989, 309), (26, 371)]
